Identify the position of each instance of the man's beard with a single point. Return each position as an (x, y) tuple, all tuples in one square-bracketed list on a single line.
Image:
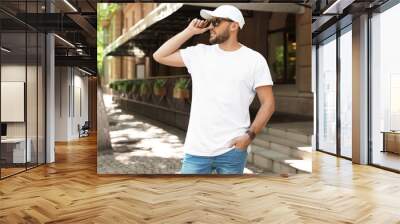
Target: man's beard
[(218, 39)]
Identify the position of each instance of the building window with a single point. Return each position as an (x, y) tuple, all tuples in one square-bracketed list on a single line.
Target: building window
[(346, 93), (282, 53), (327, 96), (140, 71), (385, 89)]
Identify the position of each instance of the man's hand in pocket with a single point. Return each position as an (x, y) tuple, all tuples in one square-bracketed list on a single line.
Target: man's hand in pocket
[(241, 142)]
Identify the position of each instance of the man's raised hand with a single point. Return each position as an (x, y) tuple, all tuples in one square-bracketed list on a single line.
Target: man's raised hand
[(198, 26)]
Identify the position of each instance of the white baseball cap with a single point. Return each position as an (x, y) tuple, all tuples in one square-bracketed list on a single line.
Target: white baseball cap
[(224, 11)]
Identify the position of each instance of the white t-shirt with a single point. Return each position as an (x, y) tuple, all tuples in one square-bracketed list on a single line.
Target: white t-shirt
[(223, 87)]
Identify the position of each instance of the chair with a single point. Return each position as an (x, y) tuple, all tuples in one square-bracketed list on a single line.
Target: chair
[(84, 130)]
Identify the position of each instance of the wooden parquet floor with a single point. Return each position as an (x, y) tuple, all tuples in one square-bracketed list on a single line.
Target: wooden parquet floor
[(70, 191)]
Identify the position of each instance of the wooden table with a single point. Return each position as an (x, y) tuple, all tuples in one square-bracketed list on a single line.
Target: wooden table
[(391, 141)]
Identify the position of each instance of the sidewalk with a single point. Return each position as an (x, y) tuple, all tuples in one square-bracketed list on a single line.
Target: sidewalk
[(141, 145)]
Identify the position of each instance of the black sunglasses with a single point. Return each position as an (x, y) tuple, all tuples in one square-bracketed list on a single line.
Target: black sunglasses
[(216, 21)]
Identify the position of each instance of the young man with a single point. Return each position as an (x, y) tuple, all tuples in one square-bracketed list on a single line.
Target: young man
[(225, 78)]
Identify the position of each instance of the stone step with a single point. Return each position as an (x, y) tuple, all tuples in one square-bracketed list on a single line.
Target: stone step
[(289, 147), (277, 162), (288, 134)]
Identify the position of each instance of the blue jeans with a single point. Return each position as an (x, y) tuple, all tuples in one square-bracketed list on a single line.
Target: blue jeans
[(231, 162)]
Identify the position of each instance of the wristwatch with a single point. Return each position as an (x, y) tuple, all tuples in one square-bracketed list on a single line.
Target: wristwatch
[(251, 134)]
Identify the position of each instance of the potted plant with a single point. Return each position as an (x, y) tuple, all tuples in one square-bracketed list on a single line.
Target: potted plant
[(112, 87), (144, 89), (135, 88), (126, 87), (181, 89), (118, 86), (159, 87), (121, 88)]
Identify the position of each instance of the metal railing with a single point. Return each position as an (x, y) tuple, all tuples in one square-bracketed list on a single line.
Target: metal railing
[(168, 92)]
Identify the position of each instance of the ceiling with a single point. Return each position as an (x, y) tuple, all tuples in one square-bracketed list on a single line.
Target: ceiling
[(74, 22), (338, 14)]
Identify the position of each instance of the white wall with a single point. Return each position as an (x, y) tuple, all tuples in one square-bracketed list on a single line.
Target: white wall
[(70, 83), (61, 103), (80, 84)]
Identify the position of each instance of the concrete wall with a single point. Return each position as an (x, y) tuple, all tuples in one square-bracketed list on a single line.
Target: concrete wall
[(50, 97), (360, 90), (289, 100), (297, 99), (303, 51)]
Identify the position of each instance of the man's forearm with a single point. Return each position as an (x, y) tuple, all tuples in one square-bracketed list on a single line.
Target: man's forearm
[(263, 115), (173, 44)]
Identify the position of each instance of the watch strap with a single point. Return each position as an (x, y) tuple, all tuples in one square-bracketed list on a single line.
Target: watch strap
[(251, 134)]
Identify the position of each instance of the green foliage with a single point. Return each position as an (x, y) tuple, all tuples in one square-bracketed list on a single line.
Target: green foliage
[(127, 86), (144, 88), (119, 86), (159, 83), (104, 11), (279, 65), (115, 85), (182, 83), (112, 85), (135, 85), (123, 86)]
